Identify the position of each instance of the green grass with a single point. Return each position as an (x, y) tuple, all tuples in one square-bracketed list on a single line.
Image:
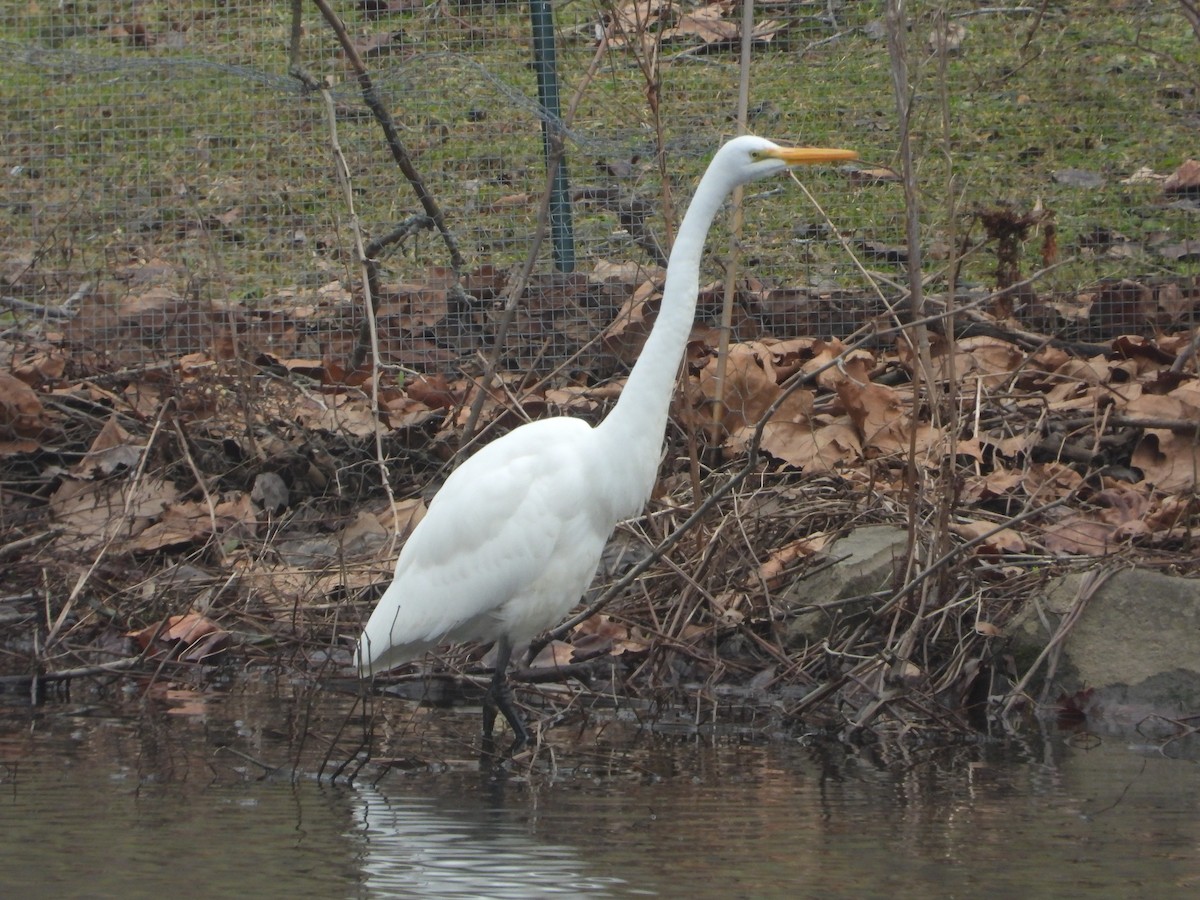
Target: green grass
[(1103, 89)]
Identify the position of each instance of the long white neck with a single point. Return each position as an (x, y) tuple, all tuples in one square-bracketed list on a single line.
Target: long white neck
[(636, 424)]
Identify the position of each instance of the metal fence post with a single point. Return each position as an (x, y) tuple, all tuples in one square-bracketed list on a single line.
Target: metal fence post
[(561, 228)]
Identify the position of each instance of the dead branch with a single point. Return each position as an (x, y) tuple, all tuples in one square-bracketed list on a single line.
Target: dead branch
[(1191, 12), (399, 152)]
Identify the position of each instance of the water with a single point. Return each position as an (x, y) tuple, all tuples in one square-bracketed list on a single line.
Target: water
[(125, 797)]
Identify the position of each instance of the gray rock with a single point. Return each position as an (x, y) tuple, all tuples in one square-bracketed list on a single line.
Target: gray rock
[(1134, 650), (866, 561)]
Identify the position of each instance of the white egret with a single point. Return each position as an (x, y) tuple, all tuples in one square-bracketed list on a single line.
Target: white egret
[(514, 536)]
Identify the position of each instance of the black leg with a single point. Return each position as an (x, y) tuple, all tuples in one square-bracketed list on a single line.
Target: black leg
[(499, 697)]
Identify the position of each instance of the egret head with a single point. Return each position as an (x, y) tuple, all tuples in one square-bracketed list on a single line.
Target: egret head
[(749, 158)]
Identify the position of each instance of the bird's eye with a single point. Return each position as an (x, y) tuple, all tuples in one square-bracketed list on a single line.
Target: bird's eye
[(757, 155)]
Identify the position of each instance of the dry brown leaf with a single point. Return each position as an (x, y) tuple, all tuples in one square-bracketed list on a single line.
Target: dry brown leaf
[(41, 367), (201, 636), (1170, 512), (1188, 394), (1184, 180), (1003, 541), (880, 415), (727, 607), (91, 513), (969, 447), (1082, 536), (594, 632), (412, 306), (21, 412), (1049, 359), (403, 412), (336, 413), (876, 411), (1169, 461), (1074, 377), (986, 359), (856, 365), (190, 521), (113, 448), (1014, 446), (1157, 406), (750, 386), (1000, 483), (1045, 482), (1122, 504), (813, 448), (575, 400), (771, 571), (627, 332), (435, 391), (875, 175), (625, 272), (555, 654), (364, 534)]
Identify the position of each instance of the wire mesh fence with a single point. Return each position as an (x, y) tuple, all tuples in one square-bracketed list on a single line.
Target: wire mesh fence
[(169, 187)]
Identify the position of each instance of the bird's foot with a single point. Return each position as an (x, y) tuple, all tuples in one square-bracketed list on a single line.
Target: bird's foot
[(499, 699)]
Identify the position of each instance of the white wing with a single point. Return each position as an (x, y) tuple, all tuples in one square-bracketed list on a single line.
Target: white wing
[(508, 546)]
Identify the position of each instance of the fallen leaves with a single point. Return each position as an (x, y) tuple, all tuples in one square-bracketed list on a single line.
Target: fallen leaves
[(189, 638), (22, 417), (992, 539), (92, 514), (1184, 180), (844, 420), (712, 24), (195, 521), (795, 433), (1171, 462), (774, 569), (602, 634)]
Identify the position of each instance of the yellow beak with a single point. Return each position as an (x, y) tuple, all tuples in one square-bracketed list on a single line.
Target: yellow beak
[(796, 156)]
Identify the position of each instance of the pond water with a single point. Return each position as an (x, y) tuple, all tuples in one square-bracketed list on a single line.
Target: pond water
[(217, 794)]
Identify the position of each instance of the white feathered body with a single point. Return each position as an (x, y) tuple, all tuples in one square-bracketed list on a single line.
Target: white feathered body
[(514, 537), (509, 544)]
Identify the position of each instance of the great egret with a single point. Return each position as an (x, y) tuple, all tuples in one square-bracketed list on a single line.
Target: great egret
[(514, 536)]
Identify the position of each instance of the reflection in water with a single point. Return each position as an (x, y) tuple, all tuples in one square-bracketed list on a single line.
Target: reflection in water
[(413, 847), (112, 800)]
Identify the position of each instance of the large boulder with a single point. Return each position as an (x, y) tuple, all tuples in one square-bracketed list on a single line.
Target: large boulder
[(1132, 653)]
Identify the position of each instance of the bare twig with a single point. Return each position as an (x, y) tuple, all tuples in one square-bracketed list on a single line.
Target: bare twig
[(996, 11), (119, 523), (117, 665), (1091, 583), (1188, 354), (391, 133), (343, 176), (297, 33), (201, 483), (367, 337), (13, 548), (1033, 28), (1191, 12), (736, 219), (645, 44), (37, 309)]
